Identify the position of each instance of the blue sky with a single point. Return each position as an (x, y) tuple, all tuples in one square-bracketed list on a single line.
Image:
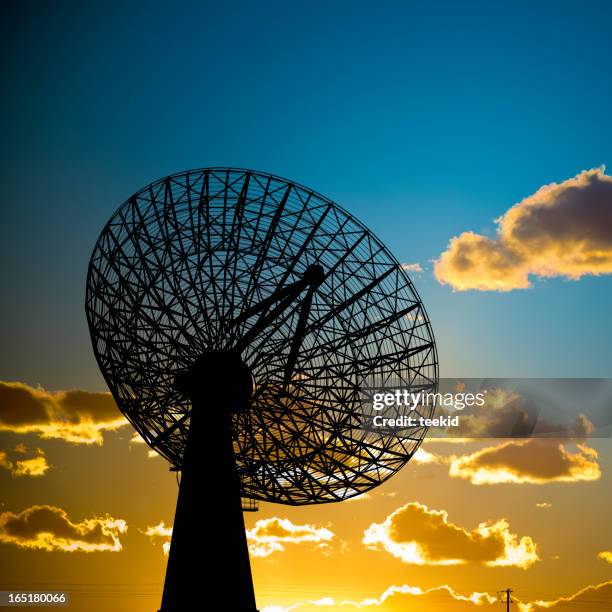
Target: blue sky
[(423, 120)]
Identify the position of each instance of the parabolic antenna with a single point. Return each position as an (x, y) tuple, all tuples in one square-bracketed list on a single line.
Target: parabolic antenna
[(241, 322)]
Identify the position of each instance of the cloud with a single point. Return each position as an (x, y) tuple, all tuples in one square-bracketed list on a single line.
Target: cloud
[(533, 461), (49, 528), (506, 413), (417, 535), (424, 457), (412, 267), (605, 555), (138, 439), (593, 596), (445, 599), (271, 535), (543, 505), (160, 531), (75, 416), (562, 229), (395, 598), (538, 460), (360, 497), (265, 538), (34, 466)]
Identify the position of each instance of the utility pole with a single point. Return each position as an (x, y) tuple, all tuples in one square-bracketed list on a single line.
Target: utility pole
[(508, 600)]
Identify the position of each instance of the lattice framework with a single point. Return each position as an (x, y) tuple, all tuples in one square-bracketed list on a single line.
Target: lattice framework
[(171, 274)]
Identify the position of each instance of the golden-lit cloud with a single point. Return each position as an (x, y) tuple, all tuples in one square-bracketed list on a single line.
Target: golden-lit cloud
[(265, 538), (533, 461), (424, 457), (605, 555), (273, 534), (79, 417), (139, 440), (396, 598), (419, 535), (360, 497), (594, 596), (528, 461), (445, 599), (34, 466), (563, 229), (543, 505), (49, 528), (160, 531)]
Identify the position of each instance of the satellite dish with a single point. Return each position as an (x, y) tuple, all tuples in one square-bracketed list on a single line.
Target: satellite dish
[(241, 322)]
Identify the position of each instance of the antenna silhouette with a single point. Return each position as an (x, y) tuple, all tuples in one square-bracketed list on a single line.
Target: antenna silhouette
[(240, 321)]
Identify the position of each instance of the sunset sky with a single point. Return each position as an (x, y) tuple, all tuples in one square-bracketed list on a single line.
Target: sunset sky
[(472, 138)]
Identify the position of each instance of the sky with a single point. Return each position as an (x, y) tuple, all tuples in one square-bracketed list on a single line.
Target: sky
[(428, 124)]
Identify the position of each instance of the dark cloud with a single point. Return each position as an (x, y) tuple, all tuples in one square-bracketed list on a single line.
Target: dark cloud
[(533, 461), (510, 414), (49, 528), (76, 416)]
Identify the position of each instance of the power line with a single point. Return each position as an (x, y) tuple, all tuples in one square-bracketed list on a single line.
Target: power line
[(508, 599)]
